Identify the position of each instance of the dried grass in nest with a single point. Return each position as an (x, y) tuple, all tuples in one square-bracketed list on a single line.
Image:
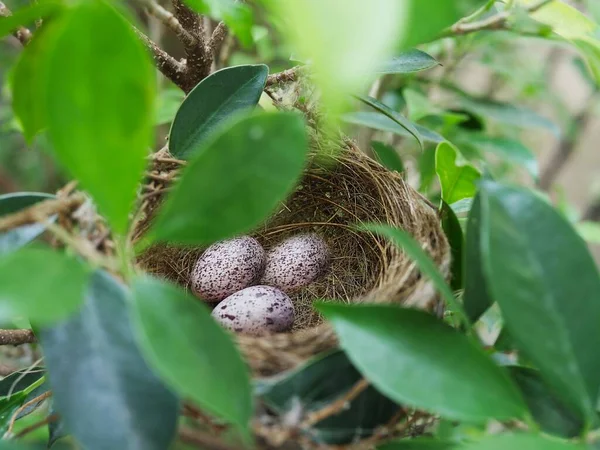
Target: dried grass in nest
[(330, 200)]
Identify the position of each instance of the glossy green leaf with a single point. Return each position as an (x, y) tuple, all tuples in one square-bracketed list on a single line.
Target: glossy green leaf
[(190, 350), (387, 156), (590, 231), (101, 125), (236, 180), (312, 387), (544, 279), (10, 203), (458, 178), (547, 410), (27, 15), (476, 297), (520, 442), (236, 15), (102, 388), (390, 113), (58, 289), (380, 122), (454, 234), (408, 62), (399, 351), (419, 443), (214, 100), (412, 248)]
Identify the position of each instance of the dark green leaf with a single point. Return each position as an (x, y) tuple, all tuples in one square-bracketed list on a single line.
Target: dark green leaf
[(458, 178), (56, 293), (19, 381), (100, 105), (454, 234), (401, 352), (236, 180), (419, 443), (520, 442), (378, 121), (102, 388), (390, 113), (388, 156), (409, 62), (544, 279), (312, 388), (236, 15), (547, 410), (27, 15), (191, 351), (212, 102), (476, 298), (18, 237), (423, 261)]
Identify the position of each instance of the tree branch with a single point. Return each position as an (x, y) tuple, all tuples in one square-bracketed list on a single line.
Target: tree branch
[(171, 22), (21, 33), (45, 208), (16, 337), (202, 440), (216, 39), (285, 76)]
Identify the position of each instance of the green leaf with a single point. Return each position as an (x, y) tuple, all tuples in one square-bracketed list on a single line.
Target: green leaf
[(27, 15), (390, 113), (453, 231), (458, 178), (423, 261), (564, 19), (378, 121), (10, 203), (590, 231), (476, 297), (105, 393), (520, 442), (419, 443), (235, 180), (237, 16), (590, 48), (388, 156), (52, 297), (214, 100), (547, 410), (168, 103), (100, 104), (544, 279), (313, 387), (408, 62), (190, 350), (399, 351)]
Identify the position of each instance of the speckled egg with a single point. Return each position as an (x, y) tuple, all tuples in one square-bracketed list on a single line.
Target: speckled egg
[(256, 310), (296, 262), (226, 267)]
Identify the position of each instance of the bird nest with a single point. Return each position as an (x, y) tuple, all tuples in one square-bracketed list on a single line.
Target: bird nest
[(335, 195)]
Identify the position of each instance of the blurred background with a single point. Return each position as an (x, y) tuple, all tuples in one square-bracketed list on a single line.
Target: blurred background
[(522, 109)]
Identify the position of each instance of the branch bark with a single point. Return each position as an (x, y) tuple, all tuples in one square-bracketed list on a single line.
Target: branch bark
[(46, 208), (16, 337), (202, 440), (21, 33)]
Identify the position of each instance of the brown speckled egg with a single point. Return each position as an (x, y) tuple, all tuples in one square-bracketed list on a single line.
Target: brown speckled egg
[(296, 262), (256, 310), (226, 267)]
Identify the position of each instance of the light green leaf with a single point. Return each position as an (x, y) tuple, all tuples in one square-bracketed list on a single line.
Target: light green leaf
[(212, 102), (235, 180), (458, 178), (408, 62), (590, 231), (564, 19), (388, 156), (399, 351), (520, 442), (100, 105), (395, 116), (380, 122), (168, 102), (590, 48), (102, 388), (27, 15), (236, 15), (56, 293), (423, 261), (191, 351), (541, 274)]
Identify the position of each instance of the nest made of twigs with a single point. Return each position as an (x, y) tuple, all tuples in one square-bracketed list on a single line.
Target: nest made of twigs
[(331, 199)]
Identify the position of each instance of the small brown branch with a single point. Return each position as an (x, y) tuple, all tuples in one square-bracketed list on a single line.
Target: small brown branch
[(338, 405), (22, 408), (283, 77), (202, 440), (216, 39), (46, 208), (16, 337), (48, 420), (170, 21), (189, 19), (21, 33)]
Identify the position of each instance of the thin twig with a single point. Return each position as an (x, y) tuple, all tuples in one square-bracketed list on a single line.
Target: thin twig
[(202, 440), (170, 21), (16, 337), (285, 76), (217, 37), (338, 405), (43, 209), (21, 33), (50, 419), (22, 408)]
